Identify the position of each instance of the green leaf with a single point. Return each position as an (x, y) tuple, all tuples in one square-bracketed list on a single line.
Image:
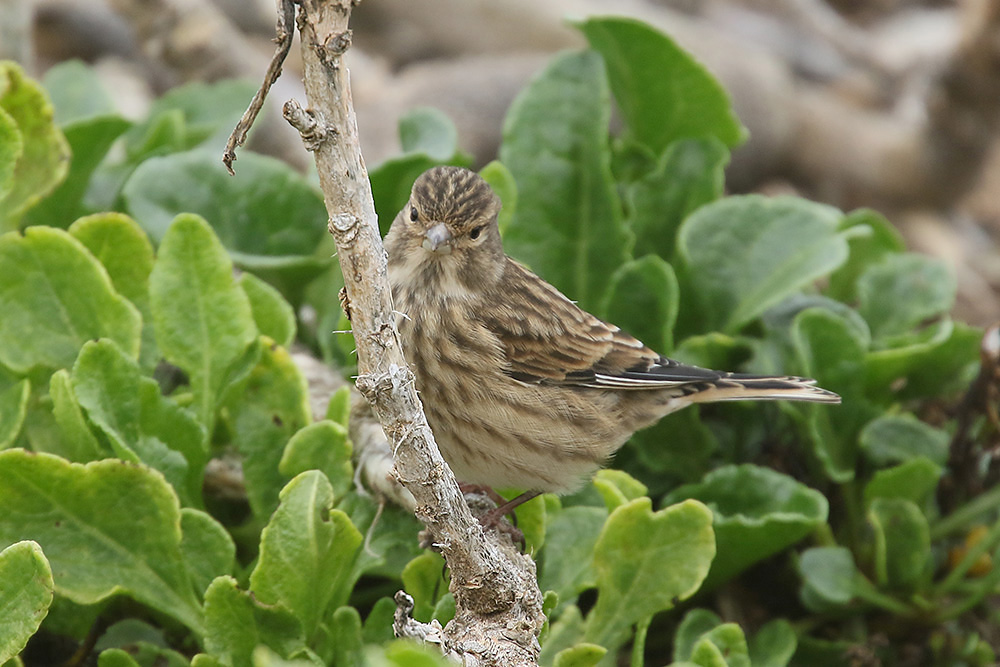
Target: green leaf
[(346, 642), (54, 297), (338, 409), (141, 423), (744, 254), (116, 657), (274, 316), (568, 224), (832, 351), (268, 216), (89, 142), (423, 579), (902, 291), (581, 655), (377, 628), (618, 488), (758, 513), (78, 442), (899, 438), (645, 563), (902, 543), (45, 155), (77, 92), (567, 562), (726, 641), (565, 632), (202, 318), (692, 627), (208, 549), (502, 182), (879, 241), (774, 644), (912, 480), (307, 553), (942, 362), (642, 299), (828, 577), (13, 407), (119, 243), (111, 527), (25, 595), (391, 184), (322, 446), (429, 131), (11, 150), (688, 175), (663, 93), (236, 622), (678, 448), (263, 412), (191, 115)]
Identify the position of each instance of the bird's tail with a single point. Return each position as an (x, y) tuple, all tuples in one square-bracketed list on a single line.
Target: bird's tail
[(740, 387)]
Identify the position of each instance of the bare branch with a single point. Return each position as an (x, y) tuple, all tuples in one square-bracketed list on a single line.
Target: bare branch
[(498, 605)]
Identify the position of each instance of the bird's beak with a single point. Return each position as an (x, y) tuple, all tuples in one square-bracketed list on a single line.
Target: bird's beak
[(438, 239)]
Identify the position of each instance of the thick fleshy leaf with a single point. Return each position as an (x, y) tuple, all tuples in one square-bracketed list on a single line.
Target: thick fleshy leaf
[(119, 243), (502, 182), (54, 297), (899, 438), (902, 291), (322, 446), (429, 131), (45, 154), (758, 512), (618, 487), (208, 549), (566, 632), (112, 528), (391, 184), (941, 361), (13, 408), (307, 552), (902, 543), (663, 92), (581, 655), (912, 480), (829, 577), (78, 442), (568, 225), (676, 449), (879, 241), (832, 350), (274, 316), (691, 628), (263, 412), (642, 299), (268, 216), (567, 560), (202, 318), (688, 175), (236, 622), (25, 595), (774, 644), (744, 254), (141, 423), (190, 115), (89, 141), (645, 563), (77, 92), (11, 149)]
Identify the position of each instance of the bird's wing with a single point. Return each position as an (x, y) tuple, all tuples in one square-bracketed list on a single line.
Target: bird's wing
[(548, 339)]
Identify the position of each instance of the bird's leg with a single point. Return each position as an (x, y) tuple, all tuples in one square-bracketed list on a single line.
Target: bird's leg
[(481, 489), (492, 518)]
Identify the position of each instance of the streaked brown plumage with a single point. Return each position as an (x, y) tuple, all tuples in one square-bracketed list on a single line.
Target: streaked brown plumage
[(521, 387)]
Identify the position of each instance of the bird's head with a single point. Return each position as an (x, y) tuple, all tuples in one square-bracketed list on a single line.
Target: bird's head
[(449, 224)]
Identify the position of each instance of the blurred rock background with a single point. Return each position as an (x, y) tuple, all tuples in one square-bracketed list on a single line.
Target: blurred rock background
[(891, 104)]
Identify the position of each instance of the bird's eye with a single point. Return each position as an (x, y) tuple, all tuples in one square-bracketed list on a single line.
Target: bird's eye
[(414, 216), (474, 234)]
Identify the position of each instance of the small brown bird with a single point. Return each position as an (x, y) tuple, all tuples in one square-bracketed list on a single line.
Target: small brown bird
[(521, 387)]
